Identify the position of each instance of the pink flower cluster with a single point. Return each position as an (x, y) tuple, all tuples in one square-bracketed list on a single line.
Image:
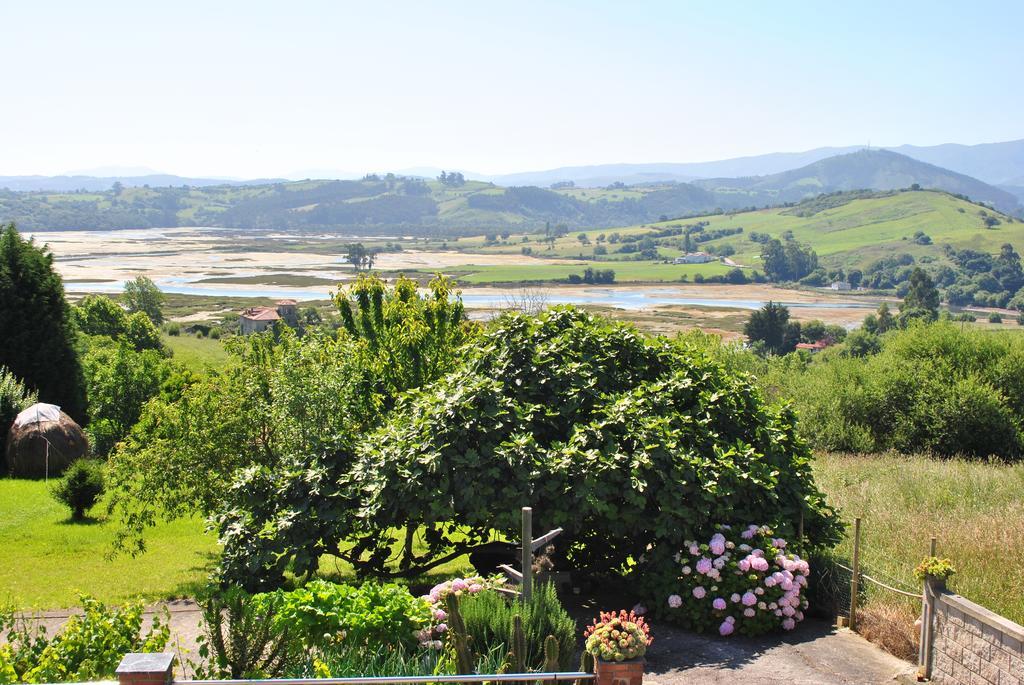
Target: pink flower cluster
[(748, 584), (429, 636)]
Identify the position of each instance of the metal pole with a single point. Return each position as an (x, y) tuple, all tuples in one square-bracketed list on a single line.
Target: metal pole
[(527, 554), (928, 625), (855, 577)]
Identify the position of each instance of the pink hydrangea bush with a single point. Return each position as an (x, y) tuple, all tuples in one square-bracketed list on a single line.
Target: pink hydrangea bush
[(432, 636), (742, 580)]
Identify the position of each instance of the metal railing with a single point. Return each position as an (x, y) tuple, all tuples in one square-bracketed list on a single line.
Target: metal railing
[(402, 680)]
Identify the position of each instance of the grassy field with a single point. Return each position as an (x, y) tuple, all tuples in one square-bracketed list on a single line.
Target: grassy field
[(197, 354), (625, 272), (851, 235), (975, 509), (49, 560)]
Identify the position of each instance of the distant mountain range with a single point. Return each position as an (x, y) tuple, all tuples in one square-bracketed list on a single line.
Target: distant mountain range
[(384, 205), (873, 169), (68, 184), (994, 163)]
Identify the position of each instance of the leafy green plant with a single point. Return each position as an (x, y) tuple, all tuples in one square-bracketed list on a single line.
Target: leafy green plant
[(321, 613), (934, 567), (14, 397), (81, 487), (88, 647), (242, 639)]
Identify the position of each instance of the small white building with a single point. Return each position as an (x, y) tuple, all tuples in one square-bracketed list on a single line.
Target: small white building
[(841, 285), (695, 258)]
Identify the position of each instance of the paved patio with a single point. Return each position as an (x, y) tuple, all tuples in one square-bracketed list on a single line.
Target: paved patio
[(813, 653)]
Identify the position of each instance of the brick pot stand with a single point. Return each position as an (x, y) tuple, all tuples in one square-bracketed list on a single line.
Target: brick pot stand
[(629, 672)]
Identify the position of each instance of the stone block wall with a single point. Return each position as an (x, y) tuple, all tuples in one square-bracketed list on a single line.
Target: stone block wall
[(974, 646)]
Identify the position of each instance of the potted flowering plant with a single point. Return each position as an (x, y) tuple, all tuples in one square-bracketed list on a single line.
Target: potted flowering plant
[(618, 642)]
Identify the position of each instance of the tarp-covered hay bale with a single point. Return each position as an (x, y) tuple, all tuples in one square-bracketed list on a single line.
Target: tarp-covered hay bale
[(43, 441)]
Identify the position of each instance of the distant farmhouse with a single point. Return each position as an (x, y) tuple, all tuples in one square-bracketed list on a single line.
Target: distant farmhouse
[(814, 346), (841, 285), (257, 319), (696, 258)]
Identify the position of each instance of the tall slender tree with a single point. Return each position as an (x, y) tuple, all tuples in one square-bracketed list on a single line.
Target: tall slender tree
[(37, 336)]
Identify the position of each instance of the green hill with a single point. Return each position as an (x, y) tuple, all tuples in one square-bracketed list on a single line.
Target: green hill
[(881, 234), (865, 169), (391, 205)]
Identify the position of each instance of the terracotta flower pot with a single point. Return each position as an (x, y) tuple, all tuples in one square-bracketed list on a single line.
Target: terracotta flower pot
[(629, 672)]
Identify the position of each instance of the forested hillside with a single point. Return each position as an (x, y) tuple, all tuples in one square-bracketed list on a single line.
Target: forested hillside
[(451, 205)]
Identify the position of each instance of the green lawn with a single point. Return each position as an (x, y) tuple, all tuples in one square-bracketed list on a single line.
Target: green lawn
[(48, 560), (197, 354)]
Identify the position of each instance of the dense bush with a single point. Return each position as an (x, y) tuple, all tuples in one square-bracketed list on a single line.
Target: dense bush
[(120, 379), (88, 647), (489, 617), (14, 397), (932, 388), (741, 581), (81, 487), (623, 440)]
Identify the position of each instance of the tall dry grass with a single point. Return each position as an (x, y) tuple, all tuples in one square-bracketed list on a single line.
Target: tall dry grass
[(974, 508)]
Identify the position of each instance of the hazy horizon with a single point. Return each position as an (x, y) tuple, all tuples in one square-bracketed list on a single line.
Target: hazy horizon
[(251, 90)]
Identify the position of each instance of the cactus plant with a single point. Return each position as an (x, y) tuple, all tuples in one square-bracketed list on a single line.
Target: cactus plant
[(550, 657), (458, 641)]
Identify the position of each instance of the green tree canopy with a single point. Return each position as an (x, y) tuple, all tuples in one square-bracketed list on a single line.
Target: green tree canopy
[(142, 295), (100, 315), (922, 298), (767, 327), (36, 324), (623, 440)]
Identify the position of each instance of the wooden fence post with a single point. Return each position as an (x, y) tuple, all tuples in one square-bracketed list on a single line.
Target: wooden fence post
[(527, 554), (855, 574)]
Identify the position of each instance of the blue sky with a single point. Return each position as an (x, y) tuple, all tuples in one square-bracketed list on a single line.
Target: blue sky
[(256, 89)]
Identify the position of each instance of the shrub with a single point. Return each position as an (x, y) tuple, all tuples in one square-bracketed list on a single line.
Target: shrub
[(88, 647), (740, 581), (622, 440), (81, 487), (173, 328), (242, 639), (14, 397), (932, 387), (995, 317), (489, 619), (369, 614), (216, 332)]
